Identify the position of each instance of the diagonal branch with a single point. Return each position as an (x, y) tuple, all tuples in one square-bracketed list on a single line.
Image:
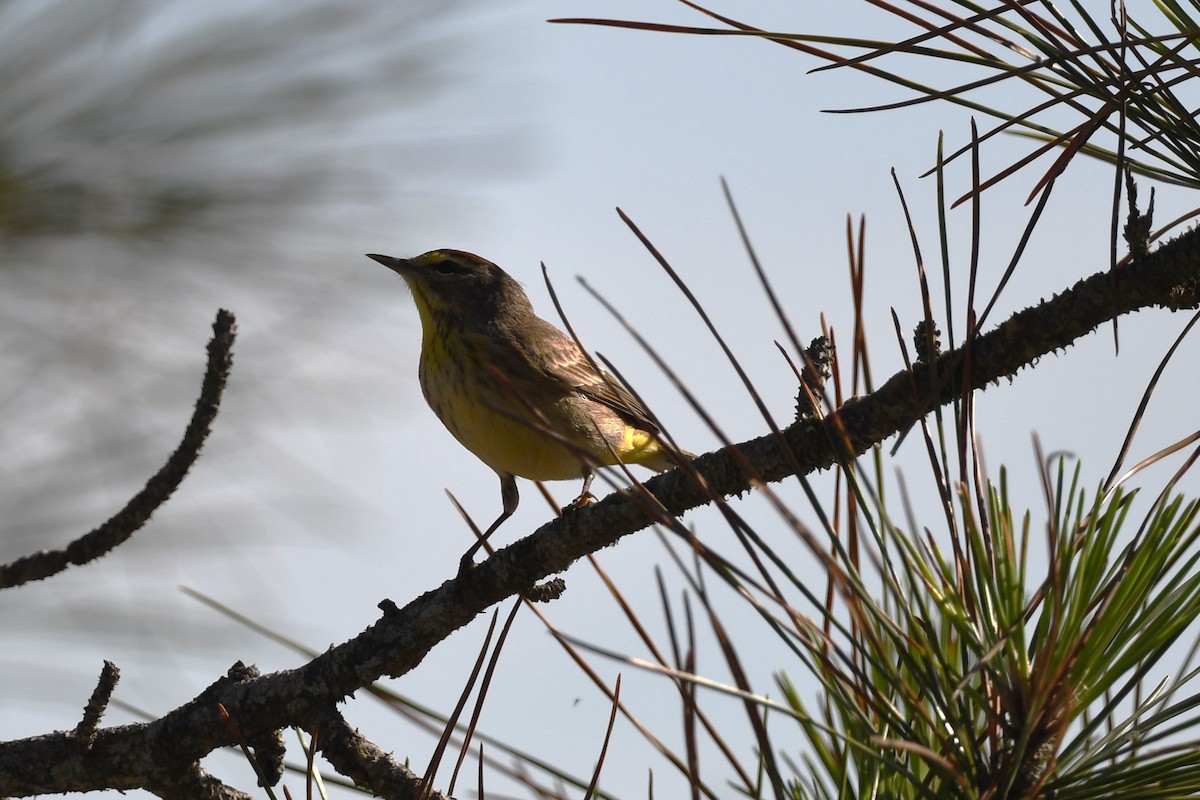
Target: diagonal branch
[(1168, 278), (364, 762), (195, 782), (122, 757)]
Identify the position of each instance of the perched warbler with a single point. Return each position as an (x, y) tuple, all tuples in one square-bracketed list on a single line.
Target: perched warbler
[(513, 389)]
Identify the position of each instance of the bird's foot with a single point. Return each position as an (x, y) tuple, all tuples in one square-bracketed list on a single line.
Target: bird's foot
[(587, 498), (467, 564)]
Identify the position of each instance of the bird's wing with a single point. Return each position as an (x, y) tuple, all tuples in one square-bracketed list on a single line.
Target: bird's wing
[(561, 359)]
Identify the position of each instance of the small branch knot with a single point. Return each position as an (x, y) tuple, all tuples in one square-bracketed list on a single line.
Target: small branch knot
[(818, 368), (1137, 226), (546, 592), (85, 731), (927, 341)]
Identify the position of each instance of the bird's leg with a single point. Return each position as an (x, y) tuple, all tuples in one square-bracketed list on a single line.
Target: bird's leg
[(585, 494), (510, 497)]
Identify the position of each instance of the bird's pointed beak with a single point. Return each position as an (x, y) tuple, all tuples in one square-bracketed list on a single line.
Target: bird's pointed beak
[(400, 265)]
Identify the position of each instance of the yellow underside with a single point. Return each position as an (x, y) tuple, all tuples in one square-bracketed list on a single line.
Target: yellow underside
[(459, 383), (527, 449)]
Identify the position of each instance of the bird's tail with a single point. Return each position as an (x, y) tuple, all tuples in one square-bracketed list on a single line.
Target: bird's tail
[(668, 457)]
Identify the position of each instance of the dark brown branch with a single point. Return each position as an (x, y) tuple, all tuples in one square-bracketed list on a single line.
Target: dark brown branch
[(118, 528), (269, 751), (122, 757), (163, 753), (85, 731), (1168, 278), (265, 754), (360, 760), (194, 783)]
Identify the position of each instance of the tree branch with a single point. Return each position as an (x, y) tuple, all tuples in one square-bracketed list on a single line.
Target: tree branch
[(118, 528), (194, 784), (85, 731), (362, 761), (123, 757)]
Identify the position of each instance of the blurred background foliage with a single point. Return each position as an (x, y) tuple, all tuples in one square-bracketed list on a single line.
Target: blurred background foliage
[(159, 160)]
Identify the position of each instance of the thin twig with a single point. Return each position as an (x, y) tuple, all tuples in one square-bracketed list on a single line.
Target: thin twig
[(118, 528)]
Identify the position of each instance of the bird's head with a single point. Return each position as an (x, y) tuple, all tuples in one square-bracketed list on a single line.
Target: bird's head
[(458, 285)]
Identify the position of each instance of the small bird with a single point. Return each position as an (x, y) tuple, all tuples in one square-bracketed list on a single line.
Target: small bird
[(514, 389)]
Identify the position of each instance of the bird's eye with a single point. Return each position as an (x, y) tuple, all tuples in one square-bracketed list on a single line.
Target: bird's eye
[(446, 267)]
